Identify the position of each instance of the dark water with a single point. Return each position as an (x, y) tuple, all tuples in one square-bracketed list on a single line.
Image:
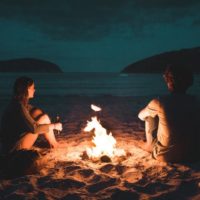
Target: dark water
[(93, 84)]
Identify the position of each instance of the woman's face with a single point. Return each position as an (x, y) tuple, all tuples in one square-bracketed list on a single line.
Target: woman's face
[(31, 91)]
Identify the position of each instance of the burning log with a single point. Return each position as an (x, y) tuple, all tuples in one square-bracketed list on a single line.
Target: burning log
[(103, 158)]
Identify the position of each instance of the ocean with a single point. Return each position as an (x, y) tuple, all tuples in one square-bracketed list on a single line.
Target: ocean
[(93, 84)]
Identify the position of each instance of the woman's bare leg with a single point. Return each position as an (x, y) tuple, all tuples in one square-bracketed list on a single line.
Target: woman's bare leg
[(26, 142), (43, 118), (50, 136)]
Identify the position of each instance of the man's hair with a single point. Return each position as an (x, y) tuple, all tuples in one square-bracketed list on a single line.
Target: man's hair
[(180, 78), (20, 88)]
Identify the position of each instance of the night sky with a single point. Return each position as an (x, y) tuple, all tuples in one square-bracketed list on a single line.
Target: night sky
[(96, 35)]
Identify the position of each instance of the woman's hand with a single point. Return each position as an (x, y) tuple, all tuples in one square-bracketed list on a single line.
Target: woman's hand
[(58, 126)]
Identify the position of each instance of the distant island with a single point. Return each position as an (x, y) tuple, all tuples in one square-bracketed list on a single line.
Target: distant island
[(156, 64), (29, 65)]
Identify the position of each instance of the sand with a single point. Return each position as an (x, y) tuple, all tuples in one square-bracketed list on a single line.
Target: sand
[(64, 173)]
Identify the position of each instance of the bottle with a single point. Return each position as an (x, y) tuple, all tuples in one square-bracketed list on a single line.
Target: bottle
[(57, 121)]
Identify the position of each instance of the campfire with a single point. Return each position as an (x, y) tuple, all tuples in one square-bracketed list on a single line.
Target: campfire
[(104, 143)]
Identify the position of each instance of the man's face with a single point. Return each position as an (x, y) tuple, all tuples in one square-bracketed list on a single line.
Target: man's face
[(169, 82), (170, 86)]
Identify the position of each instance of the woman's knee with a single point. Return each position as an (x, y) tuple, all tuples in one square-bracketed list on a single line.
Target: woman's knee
[(36, 113), (44, 119)]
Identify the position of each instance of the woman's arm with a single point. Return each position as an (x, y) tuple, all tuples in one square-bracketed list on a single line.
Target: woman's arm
[(30, 124), (36, 126)]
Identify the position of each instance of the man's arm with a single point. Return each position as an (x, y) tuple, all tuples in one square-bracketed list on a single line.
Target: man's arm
[(143, 114), (151, 110)]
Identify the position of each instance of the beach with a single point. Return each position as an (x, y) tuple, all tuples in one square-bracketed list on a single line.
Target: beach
[(65, 173)]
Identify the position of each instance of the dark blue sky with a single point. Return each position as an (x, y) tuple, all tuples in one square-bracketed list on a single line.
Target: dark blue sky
[(96, 35)]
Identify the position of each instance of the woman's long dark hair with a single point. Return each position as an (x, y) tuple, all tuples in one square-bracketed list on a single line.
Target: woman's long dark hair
[(20, 89)]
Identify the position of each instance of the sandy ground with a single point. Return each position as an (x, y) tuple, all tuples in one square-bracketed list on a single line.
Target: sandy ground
[(64, 173)]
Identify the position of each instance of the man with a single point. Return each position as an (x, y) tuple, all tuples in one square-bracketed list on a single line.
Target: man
[(175, 118)]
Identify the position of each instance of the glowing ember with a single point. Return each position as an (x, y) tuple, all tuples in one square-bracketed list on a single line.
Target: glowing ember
[(105, 144)]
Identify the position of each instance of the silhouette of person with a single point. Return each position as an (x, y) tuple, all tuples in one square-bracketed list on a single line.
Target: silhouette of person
[(172, 121), (22, 123)]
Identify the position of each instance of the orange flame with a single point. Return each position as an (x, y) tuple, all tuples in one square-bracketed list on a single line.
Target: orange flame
[(105, 144)]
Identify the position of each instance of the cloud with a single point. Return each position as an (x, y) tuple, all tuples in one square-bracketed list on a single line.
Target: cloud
[(91, 20)]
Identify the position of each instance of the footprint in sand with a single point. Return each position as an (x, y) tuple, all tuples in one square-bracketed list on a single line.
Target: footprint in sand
[(62, 184), (124, 194), (120, 169), (101, 185), (71, 168), (86, 173), (106, 168)]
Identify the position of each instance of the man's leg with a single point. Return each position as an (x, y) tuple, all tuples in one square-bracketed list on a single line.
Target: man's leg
[(151, 126)]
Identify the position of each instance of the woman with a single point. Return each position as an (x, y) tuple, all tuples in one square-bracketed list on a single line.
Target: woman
[(22, 123)]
